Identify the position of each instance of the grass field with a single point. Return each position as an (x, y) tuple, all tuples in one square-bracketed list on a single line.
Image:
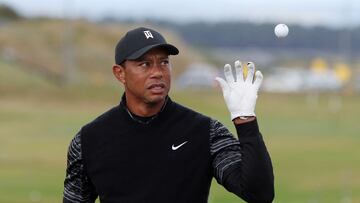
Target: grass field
[(313, 141), (314, 151)]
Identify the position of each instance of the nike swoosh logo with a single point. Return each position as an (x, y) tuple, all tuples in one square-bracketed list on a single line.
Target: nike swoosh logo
[(177, 147)]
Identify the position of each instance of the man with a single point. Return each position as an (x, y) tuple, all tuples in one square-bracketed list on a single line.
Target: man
[(151, 149)]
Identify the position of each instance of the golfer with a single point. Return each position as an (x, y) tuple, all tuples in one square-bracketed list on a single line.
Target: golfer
[(150, 149)]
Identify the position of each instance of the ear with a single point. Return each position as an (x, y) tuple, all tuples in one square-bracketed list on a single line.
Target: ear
[(119, 73)]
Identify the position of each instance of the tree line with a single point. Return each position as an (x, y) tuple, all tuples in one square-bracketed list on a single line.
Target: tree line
[(247, 35)]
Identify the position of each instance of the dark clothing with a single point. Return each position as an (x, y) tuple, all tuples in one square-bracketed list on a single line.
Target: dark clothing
[(171, 158)]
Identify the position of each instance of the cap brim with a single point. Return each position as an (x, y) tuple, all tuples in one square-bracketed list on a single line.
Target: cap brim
[(172, 50)]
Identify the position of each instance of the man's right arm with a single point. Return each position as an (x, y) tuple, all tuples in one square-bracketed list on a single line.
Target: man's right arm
[(77, 186)]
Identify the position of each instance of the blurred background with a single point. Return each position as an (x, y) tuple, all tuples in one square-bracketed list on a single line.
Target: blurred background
[(56, 60)]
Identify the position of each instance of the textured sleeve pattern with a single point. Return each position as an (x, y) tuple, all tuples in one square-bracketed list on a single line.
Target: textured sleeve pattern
[(242, 166), (77, 186), (224, 148)]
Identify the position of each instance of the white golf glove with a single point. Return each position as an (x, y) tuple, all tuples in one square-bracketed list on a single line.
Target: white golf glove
[(240, 95)]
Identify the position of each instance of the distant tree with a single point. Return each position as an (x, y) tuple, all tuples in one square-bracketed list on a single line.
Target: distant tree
[(246, 34), (8, 13)]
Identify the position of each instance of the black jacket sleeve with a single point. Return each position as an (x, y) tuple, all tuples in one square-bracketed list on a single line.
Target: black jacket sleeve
[(246, 168), (77, 186)]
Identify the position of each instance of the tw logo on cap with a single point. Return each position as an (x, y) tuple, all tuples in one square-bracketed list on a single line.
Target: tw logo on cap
[(148, 34)]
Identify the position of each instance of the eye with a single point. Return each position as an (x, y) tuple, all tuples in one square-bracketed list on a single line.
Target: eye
[(144, 64), (165, 62)]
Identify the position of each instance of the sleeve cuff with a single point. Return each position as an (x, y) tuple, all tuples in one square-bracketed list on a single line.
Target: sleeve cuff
[(249, 129)]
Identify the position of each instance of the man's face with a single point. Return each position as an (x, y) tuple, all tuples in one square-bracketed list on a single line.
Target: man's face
[(147, 79)]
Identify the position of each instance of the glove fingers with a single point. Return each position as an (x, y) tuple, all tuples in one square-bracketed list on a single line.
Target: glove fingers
[(258, 79), (228, 73), (223, 84), (250, 72), (239, 71)]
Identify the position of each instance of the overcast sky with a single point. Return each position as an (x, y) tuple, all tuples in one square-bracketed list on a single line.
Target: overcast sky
[(304, 12)]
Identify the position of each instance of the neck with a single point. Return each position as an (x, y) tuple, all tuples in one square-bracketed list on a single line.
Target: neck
[(144, 109)]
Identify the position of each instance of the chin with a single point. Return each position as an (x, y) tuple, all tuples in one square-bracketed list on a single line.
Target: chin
[(155, 99)]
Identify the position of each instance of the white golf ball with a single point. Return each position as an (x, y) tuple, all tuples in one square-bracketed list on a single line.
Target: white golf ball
[(281, 30)]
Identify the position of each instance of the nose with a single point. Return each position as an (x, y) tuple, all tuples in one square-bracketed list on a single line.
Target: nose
[(156, 71)]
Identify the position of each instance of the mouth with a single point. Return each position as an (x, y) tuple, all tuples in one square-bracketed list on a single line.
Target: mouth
[(157, 88)]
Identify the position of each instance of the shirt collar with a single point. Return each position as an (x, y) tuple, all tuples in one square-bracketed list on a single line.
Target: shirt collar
[(140, 119)]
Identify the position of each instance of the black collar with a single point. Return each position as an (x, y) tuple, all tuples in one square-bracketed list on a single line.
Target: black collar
[(140, 119)]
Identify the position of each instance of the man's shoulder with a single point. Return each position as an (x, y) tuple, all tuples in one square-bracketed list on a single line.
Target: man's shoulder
[(184, 110), (104, 119)]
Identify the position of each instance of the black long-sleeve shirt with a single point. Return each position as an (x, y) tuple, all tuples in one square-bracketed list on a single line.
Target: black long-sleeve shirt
[(241, 165)]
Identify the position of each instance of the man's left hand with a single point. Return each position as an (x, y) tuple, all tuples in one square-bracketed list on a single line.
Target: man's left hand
[(240, 95)]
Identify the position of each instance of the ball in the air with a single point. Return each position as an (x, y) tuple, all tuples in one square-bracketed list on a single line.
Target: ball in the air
[(281, 30)]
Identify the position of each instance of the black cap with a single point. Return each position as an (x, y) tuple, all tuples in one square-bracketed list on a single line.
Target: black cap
[(138, 41)]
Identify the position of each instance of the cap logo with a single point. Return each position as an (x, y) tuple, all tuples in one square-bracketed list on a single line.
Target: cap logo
[(148, 34)]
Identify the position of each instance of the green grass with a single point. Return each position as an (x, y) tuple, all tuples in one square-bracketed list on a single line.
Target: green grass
[(314, 149), (314, 152)]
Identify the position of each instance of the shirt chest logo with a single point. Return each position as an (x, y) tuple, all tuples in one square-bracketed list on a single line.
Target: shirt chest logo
[(173, 147)]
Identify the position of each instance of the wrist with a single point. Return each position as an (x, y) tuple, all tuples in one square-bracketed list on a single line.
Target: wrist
[(237, 114), (243, 119)]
